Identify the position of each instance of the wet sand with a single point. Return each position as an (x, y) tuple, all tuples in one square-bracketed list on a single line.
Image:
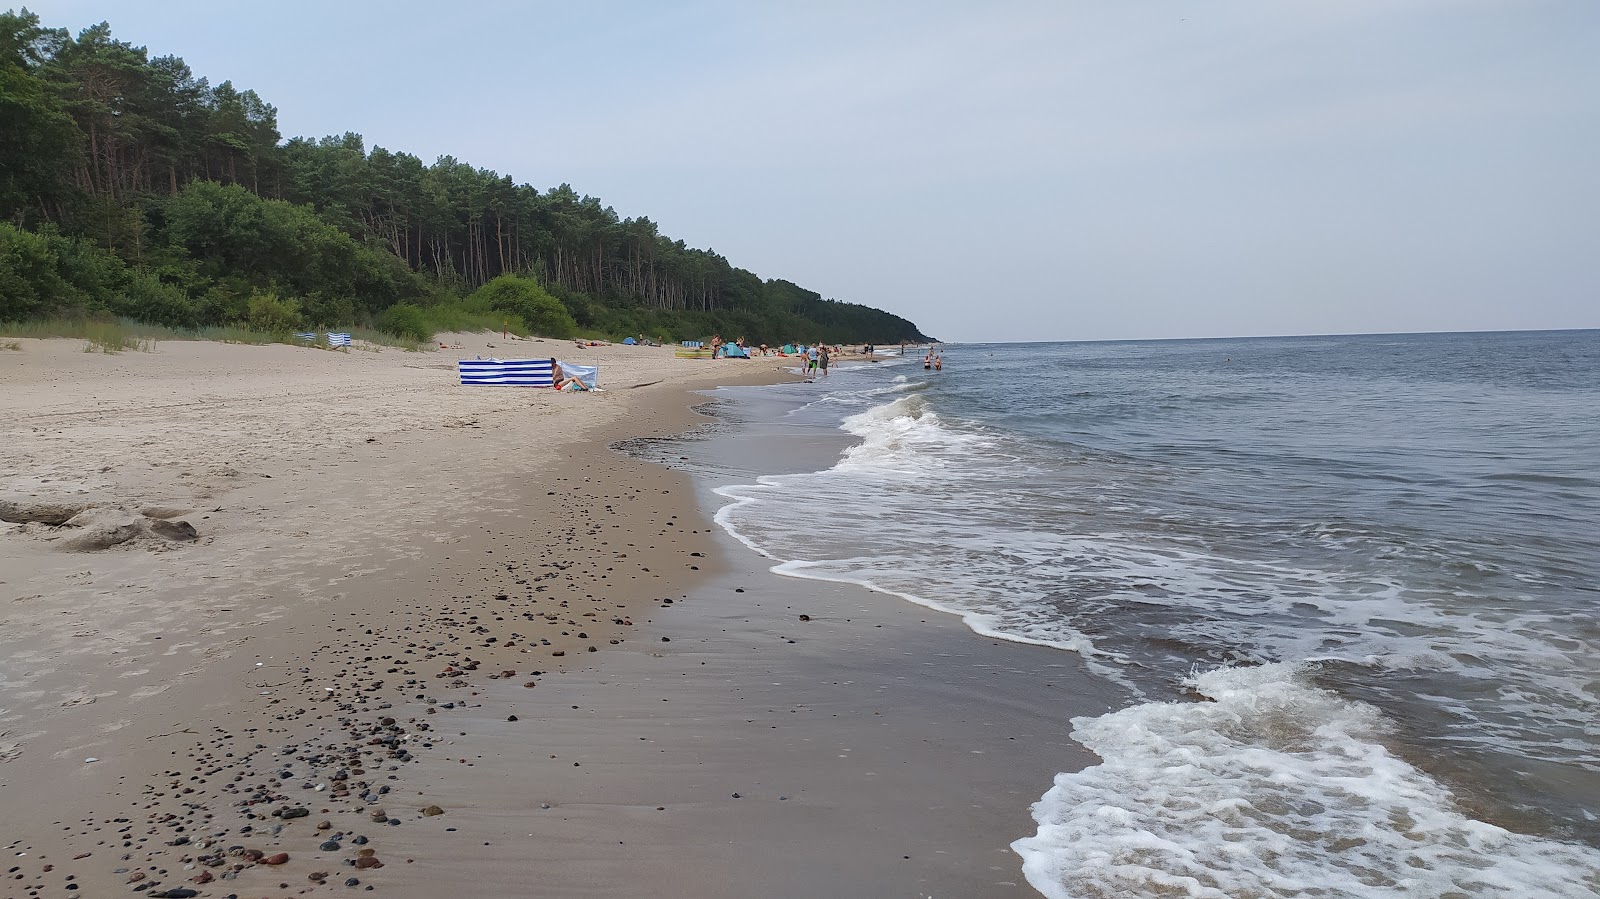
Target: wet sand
[(412, 617)]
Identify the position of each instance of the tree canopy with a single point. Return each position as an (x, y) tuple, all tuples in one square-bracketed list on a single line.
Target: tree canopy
[(190, 202)]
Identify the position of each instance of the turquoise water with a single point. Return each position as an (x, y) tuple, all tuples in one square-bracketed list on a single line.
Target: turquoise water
[(1377, 556)]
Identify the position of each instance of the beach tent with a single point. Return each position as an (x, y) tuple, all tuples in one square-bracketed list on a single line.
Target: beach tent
[(629, 341), (588, 374), (787, 349), (505, 372), (734, 351)]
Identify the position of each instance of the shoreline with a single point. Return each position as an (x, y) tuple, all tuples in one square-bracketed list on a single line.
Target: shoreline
[(404, 670)]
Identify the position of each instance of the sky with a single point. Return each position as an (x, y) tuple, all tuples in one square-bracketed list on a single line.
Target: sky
[(1001, 171)]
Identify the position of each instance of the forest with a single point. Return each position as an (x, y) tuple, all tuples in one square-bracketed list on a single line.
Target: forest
[(133, 188)]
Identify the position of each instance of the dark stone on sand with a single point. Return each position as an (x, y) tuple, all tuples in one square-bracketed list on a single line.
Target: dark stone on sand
[(360, 841), (511, 717), (805, 617), (330, 846), (432, 810), (172, 530), (352, 881), (180, 841), (176, 893), (369, 861), (295, 813), (278, 859)]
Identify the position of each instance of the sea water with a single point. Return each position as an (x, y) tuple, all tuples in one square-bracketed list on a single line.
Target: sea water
[(1349, 586)]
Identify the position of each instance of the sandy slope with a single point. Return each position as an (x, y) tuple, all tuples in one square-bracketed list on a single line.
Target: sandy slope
[(334, 497)]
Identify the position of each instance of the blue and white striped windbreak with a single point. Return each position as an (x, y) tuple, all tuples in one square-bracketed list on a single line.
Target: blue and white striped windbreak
[(506, 372), (339, 339), (307, 336)]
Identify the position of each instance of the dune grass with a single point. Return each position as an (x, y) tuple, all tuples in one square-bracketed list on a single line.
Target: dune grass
[(116, 335)]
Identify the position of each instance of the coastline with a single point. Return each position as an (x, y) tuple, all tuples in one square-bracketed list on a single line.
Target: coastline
[(414, 580)]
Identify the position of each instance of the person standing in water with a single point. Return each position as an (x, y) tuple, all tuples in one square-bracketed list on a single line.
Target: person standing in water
[(938, 362), (822, 361)]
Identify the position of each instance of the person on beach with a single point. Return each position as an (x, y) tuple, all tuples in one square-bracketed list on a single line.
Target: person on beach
[(560, 381), (811, 360), (822, 361), (938, 362), (927, 361)]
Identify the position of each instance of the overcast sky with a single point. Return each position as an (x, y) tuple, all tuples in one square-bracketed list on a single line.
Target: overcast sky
[(1001, 170)]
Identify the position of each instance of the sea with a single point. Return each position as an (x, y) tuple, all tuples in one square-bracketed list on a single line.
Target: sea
[(1349, 587)]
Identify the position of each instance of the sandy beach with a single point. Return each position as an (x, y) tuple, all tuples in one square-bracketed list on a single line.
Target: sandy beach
[(279, 620)]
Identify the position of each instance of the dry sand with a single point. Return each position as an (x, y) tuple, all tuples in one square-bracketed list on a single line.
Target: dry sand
[(436, 640)]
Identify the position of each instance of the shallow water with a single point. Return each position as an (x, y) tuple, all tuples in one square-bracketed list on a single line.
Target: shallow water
[(1377, 556)]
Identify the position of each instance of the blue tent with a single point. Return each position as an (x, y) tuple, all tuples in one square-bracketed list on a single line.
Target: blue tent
[(629, 341), (734, 351)]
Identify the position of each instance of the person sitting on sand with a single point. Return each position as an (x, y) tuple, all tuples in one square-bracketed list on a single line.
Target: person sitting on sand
[(560, 381)]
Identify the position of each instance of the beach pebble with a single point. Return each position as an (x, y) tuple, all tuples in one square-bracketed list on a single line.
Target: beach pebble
[(330, 846), (368, 861), (277, 859), (432, 810), (90, 760), (352, 881)]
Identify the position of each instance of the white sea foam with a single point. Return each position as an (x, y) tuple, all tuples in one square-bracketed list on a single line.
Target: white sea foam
[(998, 514), (1275, 788), (1272, 789)]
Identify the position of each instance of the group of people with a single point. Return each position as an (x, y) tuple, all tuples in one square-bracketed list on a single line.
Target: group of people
[(816, 359), (934, 361)]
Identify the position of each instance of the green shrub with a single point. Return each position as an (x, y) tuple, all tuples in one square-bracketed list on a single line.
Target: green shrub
[(542, 313), (406, 321), (268, 313)]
